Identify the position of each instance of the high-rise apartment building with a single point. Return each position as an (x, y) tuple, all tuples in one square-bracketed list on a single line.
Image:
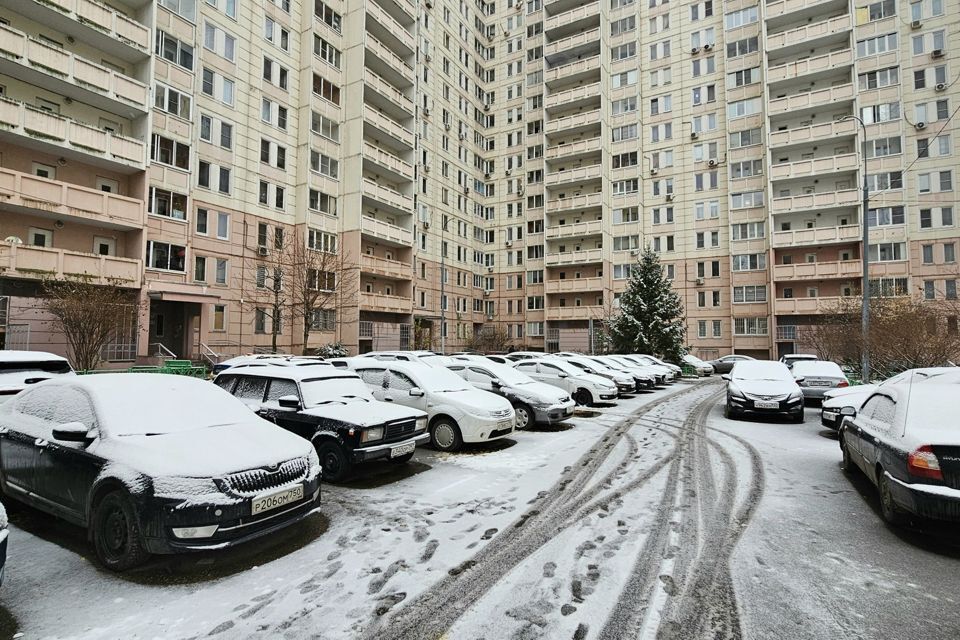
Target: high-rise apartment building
[(476, 164)]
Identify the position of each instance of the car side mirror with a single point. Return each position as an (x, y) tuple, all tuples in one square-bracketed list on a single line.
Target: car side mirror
[(562, 375), (71, 432), (496, 383), (725, 376), (799, 380), (289, 402), (848, 411), (416, 392)]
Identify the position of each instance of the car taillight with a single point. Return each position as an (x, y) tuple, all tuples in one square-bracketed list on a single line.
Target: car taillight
[(923, 463), (843, 383)]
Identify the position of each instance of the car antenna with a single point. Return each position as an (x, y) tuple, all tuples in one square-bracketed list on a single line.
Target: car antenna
[(906, 408)]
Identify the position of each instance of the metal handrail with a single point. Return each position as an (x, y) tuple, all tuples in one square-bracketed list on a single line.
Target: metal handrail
[(209, 354), (163, 352)]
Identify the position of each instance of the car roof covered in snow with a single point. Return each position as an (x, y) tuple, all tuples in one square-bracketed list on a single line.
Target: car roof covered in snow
[(431, 377), (927, 410), (290, 370), (760, 369), (817, 368), (29, 356)]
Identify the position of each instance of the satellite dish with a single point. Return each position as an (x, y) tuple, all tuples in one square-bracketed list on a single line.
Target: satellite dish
[(13, 240)]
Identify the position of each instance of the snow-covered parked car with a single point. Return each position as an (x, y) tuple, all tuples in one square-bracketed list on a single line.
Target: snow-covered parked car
[(247, 359), (818, 376), (333, 409), (4, 538), (792, 358), (663, 363), (624, 381), (643, 377), (762, 386), (724, 364), (19, 369), (584, 388), (534, 402), (702, 368), (664, 374), (906, 440), (153, 463), (457, 412)]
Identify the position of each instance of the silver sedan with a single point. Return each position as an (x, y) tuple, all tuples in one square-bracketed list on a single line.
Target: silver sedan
[(816, 377)]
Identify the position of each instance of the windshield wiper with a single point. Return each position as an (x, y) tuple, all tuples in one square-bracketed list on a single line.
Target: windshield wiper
[(329, 402)]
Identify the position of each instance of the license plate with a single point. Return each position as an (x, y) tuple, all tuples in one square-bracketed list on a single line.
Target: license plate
[(402, 450), (277, 499), (568, 411), (762, 404), (820, 383), (504, 424)]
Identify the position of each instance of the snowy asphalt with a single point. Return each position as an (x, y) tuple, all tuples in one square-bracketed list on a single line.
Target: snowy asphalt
[(653, 518)]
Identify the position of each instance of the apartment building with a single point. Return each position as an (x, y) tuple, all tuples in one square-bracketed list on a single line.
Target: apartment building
[(475, 164)]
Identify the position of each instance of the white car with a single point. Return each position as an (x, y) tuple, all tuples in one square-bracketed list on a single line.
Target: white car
[(457, 411), (534, 402), (791, 358), (425, 357), (762, 386), (624, 381), (584, 388), (248, 359), (643, 377), (19, 369), (664, 374), (672, 367), (702, 368), (525, 355)]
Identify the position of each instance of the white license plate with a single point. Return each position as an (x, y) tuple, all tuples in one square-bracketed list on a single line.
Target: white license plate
[(277, 499), (505, 424), (820, 383), (762, 404), (402, 450)]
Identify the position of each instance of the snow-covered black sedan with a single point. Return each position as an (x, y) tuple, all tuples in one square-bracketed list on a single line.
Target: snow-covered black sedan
[(906, 440), (152, 463), (761, 386)]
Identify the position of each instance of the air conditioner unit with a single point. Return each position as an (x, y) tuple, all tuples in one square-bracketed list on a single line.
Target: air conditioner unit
[(712, 162), (916, 24), (936, 53), (489, 37), (695, 50), (654, 171), (520, 190), (426, 225), (446, 125), (426, 57), (508, 172), (635, 252), (486, 107), (463, 136), (509, 243), (489, 269), (708, 46), (487, 176), (699, 281), (669, 197), (263, 251), (694, 135), (466, 189), (921, 125), (426, 111), (941, 86), (519, 7), (486, 294), (489, 317), (426, 168)]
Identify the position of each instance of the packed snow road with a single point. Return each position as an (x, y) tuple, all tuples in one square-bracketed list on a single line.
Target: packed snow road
[(653, 518)]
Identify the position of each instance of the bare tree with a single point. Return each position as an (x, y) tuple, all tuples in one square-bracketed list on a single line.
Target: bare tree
[(490, 338), (89, 315)]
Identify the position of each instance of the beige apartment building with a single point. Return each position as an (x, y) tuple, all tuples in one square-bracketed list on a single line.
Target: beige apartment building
[(476, 164)]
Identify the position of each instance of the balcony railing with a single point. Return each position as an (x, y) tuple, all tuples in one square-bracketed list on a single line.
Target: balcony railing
[(585, 92), (386, 54), (574, 257), (384, 303), (573, 148), (384, 267), (825, 304), (816, 236), (579, 229), (69, 200), (579, 66), (588, 118), (104, 19), (811, 99), (814, 166), (574, 202), (826, 62), (783, 7), (386, 231), (389, 126), (51, 128), (577, 40), (388, 160), (387, 195), (579, 174), (573, 15), (813, 133), (810, 201), (845, 269), (390, 24), (27, 261), (574, 285), (583, 312), (389, 91), (808, 32)]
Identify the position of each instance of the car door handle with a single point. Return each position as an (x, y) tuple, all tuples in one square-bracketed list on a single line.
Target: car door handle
[(40, 442), (388, 399)]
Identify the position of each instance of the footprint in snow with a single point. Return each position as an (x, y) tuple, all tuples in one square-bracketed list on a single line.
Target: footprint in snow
[(420, 534), (429, 550), (489, 533)]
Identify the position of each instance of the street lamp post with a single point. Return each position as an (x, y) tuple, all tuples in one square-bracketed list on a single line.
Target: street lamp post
[(443, 273), (865, 259)]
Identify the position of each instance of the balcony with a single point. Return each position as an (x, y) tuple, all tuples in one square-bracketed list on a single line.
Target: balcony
[(26, 261), (583, 312), (574, 285), (811, 99), (817, 64), (389, 92), (816, 236), (397, 65), (384, 303), (572, 70), (817, 270), (387, 196), (809, 33), (54, 134), (393, 269), (579, 229), (814, 133), (816, 201), (573, 97), (58, 70), (397, 132), (587, 12), (574, 257), (825, 304), (577, 148), (385, 27), (575, 202), (579, 40), (814, 166), (92, 23), (27, 193), (400, 168), (580, 174), (385, 231), (573, 123), (783, 7)]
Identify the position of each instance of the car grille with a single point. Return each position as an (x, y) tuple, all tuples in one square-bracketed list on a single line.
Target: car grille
[(255, 481), (756, 396), (503, 413), (401, 429)]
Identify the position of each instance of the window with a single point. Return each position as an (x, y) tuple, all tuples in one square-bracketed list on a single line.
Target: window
[(625, 79), (219, 322), (623, 25), (704, 94), (218, 86), (326, 52), (172, 50), (746, 199), (746, 169), (877, 45), (184, 8), (742, 47), (740, 18), (322, 241), (167, 203), (741, 108), (929, 293), (172, 101), (212, 177), (170, 152), (926, 254), (326, 89), (166, 256), (324, 164), (884, 147), (750, 326), (327, 15), (745, 138), (880, 78), (219, 41), (876, 11), (200, 269), (885, 216), (324, 126), (885, 181), (880, 112), (319, 201), (747, 230), (888, 252), (935, 182), (749, 261), (752, 293)]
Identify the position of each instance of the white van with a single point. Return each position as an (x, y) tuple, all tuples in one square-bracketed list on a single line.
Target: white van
[(585, 388)]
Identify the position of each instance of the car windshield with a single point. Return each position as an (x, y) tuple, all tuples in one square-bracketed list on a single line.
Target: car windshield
[(347, 388), (510, 376), (439, 380), (761, 371), (817, 368)]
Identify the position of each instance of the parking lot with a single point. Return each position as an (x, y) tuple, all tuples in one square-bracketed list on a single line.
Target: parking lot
[(653, 515)]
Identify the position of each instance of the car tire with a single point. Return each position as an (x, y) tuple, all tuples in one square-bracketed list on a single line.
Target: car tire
[(115, 532), (525, 416), (445, 435), (888, 508), (730, 413), (797, 416), (405, 458), (582, 397), (336, 465), (846, 463)]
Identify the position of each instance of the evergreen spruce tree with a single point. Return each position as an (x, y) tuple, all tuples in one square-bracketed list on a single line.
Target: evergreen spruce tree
[(650, 319)]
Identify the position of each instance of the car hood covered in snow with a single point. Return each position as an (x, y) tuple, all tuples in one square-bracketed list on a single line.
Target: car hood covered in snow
[(765, 387), (362, 414), (475, 401)]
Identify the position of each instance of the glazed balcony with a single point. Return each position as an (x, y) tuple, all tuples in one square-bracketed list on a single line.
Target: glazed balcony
[(811, 100), (390, 233), (815, 237), (584, 39), (386, 160), (817, 64), (575, 123), (385, 304), (816, 201), (808, 34), (574, 285), (815, 166), (579, 229), (38, 63), (587, 201), (27, 193), (400, 135), (576, 96), (579, 174), (583, 312), (393, 269), (39, 129), (37, 263), (93, 23), (813, 133), (586, 256)]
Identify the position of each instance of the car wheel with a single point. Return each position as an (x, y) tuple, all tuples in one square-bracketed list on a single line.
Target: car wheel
[(730, 413), (797, 416), (847, 464), (525, 416), (888, 508), (334, 461), (583, 397), (445, 435), (407, 457), (116, 533)]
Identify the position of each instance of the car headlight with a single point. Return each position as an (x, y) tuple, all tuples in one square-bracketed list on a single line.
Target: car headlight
[(421, 423), (494, 413), (371, 434), (734, 391), (796, 394), (181, 488)]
